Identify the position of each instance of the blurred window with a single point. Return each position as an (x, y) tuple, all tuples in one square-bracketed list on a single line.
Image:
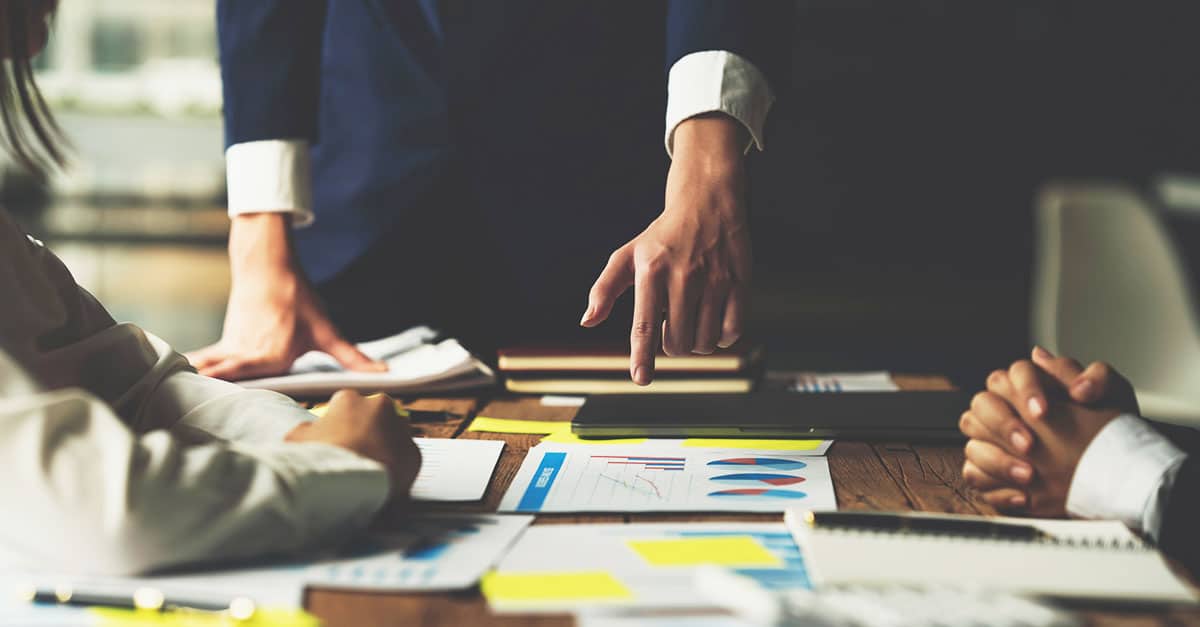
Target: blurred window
[(116, 45), (192, 40)]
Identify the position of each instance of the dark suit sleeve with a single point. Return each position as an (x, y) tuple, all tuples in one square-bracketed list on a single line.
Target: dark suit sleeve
[(755, 29), (1178, 537), (270, 67)]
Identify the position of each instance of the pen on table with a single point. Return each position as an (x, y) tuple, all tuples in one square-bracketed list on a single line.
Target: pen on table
[(427, 415), (924, 524), (145, 598), (414, 415)]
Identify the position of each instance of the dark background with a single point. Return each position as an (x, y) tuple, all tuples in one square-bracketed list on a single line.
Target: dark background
[(892, 209)]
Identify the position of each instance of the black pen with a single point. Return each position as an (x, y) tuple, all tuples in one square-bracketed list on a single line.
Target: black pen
[(146, 599), (427, 415), (974, 527)]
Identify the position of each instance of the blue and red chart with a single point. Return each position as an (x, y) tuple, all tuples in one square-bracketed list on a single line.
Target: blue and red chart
[(754, 482)]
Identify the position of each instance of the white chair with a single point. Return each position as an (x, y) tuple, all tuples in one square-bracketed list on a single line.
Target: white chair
[(1110, 286)]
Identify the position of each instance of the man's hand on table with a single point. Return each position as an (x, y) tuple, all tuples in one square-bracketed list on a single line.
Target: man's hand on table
[(370, 427), (1030, 428), (690, 269), (273, 315)]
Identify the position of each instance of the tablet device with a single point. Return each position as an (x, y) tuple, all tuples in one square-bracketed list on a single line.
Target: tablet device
[(907, 416)]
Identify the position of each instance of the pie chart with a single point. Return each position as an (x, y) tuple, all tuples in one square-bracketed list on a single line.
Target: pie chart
[(768, 478), (773, 463), (757, 493)]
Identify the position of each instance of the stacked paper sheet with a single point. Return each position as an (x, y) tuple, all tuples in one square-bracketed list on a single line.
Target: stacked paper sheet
[(416, 362)]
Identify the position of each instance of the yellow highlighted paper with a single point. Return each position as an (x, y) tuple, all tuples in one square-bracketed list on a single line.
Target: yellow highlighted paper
[(757, 445), (566, 437), (111, 617), (719, 551), (509, 425), (553, 586)]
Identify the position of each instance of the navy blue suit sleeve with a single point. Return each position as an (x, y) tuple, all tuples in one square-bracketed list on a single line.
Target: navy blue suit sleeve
[(270, 67), (1178, 537), (755, 29)]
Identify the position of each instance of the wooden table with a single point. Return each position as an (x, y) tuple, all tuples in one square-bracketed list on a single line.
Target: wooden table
[(874, 476)]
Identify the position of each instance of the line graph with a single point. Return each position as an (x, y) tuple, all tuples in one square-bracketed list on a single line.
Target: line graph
[(653, 487)]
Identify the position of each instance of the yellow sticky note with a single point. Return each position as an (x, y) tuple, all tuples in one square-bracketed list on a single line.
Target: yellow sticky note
[(720, 550), (566, 437), (761, 445), (508, 425), (110, 617), (553, 586)]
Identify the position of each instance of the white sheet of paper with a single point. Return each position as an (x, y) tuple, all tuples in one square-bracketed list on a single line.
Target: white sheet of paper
[(655, 563), (455, 470), (554, 400), (608, 478), (415, 364), (801, 381), (442, 552), (451, 553)]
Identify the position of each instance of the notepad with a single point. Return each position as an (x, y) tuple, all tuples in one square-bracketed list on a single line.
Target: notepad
[(1081, 559)]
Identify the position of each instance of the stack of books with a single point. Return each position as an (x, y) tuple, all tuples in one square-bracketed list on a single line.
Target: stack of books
[(605, 370)]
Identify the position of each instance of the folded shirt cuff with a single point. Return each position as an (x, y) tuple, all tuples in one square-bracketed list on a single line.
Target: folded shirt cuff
[(270, 176), (718, 81), (1123, 475), (333, 489)]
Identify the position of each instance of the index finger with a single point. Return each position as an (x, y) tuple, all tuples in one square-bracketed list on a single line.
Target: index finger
[(1063, 369), (1029, 385), (647, 320)]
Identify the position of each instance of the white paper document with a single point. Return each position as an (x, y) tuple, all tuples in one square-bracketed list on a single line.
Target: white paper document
[(425, 553), (416, 363), (455, 470), (641, 565), (803, 381), (431, 553), (610, 478)]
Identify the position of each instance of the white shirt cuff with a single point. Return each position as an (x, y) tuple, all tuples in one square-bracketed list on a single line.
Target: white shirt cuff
[(718, 81), (270, 176), (1124, 475)]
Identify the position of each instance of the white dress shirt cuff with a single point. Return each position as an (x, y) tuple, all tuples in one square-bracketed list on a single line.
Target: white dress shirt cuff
[(270, 176), (718, 81), (1124, 475), (333, 488)]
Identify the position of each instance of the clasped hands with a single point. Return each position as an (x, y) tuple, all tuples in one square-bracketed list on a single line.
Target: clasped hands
[(1031, 426)]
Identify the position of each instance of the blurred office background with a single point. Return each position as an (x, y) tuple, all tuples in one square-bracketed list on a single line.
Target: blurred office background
[(892, 211)]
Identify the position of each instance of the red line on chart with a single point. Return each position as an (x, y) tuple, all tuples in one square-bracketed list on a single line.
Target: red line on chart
[(652, 485), (632, 486)]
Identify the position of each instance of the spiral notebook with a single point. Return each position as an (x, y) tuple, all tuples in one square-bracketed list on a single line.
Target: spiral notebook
[(1073, 559)]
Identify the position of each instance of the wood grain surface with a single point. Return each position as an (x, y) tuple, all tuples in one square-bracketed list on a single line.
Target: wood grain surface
[(875, 476)]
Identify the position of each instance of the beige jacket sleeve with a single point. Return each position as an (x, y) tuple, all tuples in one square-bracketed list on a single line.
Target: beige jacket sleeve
[(118, 458)]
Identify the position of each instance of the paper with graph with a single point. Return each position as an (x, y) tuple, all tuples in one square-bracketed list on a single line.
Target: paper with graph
[(612, 478), (426, 553), (642, 565)]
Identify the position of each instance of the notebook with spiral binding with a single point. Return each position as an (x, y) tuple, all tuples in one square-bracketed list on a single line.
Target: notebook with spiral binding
[(1072, 559)]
